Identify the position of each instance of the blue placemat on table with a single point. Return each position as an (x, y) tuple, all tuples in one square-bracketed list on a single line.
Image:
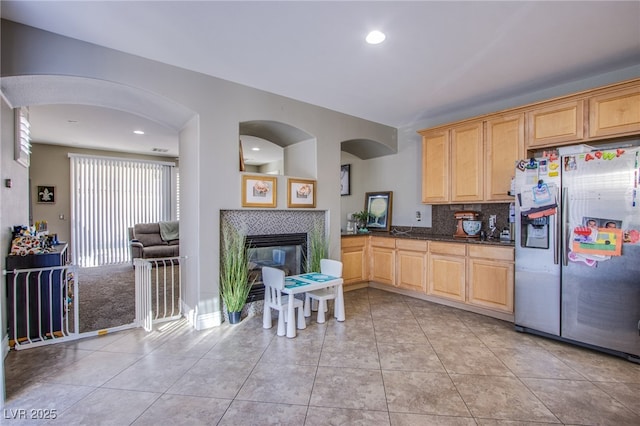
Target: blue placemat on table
[(292, 282), (319, 278)]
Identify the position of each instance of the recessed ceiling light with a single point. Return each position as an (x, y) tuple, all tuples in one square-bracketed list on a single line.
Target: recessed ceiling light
[(375, 37), (255, 148), (138, 132)]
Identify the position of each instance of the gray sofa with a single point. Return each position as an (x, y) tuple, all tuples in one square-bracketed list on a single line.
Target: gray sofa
[(148, 240)]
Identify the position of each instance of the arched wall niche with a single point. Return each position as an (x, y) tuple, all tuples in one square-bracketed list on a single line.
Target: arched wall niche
[(366, 149), (284, 149)]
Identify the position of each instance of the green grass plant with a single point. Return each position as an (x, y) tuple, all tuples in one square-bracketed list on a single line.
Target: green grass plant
[(234, 269)]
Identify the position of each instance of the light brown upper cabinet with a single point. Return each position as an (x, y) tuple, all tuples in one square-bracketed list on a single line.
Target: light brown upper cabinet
[(473, 160), (467, 162), (556, 123), (435, 167), (504, 145), (615, 113)]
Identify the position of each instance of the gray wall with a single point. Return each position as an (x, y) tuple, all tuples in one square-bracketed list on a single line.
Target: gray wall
[(14, 202), (210, 179)]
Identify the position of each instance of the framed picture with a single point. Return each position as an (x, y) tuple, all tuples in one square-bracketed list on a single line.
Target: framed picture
[(259, 191), (378, 205), (301, 193), (46, 194), (345, 179)]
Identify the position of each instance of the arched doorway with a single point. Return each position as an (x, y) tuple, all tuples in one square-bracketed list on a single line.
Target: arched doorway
[(46, 89)]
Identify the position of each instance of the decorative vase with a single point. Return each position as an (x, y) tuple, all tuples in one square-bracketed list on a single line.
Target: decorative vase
[(234, 317)]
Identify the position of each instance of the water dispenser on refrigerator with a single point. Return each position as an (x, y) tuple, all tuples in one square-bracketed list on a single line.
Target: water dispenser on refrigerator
[(535, 232)]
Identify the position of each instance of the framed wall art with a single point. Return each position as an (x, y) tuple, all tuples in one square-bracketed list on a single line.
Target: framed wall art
[(345, 179), (259, 191), (378, 205), (301, 193), (46, 194)]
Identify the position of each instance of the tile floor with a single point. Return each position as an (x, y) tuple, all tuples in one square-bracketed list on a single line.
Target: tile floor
[(396, 360)]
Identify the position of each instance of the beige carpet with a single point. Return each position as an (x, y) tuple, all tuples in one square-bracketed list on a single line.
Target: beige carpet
[(107, 295)]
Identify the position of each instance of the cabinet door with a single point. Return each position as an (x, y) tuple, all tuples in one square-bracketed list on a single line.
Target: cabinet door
[(383, 260), (491, 284), (354, 260), (435, 167), (447, 276), (411, 265), (467, 162), (556, 124), (504, 145), (616, 113)]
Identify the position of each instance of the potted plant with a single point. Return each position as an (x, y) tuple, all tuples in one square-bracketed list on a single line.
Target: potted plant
[(361, 219), (234, 272), (318, 248)]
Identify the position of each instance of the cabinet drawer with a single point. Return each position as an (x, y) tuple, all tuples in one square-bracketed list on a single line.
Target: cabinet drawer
[(411, 245), (491, 252), (454, 249), (353, 241), (383, 242)]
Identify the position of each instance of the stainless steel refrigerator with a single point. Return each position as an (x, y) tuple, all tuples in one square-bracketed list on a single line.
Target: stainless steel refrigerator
[(578, 248)]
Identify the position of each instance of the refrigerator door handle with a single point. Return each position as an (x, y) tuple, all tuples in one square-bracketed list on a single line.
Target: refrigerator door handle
[(561, 232), (556, 242)]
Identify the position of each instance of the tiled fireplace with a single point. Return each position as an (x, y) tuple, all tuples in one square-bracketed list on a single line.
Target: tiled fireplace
[(282, 236)]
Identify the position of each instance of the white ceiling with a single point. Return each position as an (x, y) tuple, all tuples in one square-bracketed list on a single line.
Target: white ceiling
[(438, 56)]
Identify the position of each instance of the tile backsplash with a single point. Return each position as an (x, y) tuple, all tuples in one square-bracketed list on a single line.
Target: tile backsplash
[(443, 222)]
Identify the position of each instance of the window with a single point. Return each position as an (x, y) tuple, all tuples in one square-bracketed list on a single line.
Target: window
[(109, 195), (22, 146)]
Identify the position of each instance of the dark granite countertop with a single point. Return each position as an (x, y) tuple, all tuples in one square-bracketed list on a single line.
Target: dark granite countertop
[(434, 237)]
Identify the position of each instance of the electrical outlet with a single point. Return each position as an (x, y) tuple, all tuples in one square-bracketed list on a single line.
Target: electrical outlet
[(492, 220)]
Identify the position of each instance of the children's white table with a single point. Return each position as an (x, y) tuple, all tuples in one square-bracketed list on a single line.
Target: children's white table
[(295, 284)]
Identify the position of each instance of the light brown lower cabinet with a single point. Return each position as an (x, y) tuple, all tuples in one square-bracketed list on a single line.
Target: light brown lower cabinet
[(475, 275), (447, 270), (490, 274), (411, 268), (383, 260), (355, 260)]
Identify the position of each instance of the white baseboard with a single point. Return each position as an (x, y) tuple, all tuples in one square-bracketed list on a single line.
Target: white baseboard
[(5, 346), (202, 321)]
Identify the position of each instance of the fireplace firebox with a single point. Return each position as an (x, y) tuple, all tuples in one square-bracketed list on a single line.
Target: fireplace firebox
[(283, 251)]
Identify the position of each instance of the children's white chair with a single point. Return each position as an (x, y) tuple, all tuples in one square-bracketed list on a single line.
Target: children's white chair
[(273, 280), (327, 267)]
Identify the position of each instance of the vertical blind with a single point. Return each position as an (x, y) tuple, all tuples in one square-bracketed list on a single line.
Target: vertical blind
[(109, 195)]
